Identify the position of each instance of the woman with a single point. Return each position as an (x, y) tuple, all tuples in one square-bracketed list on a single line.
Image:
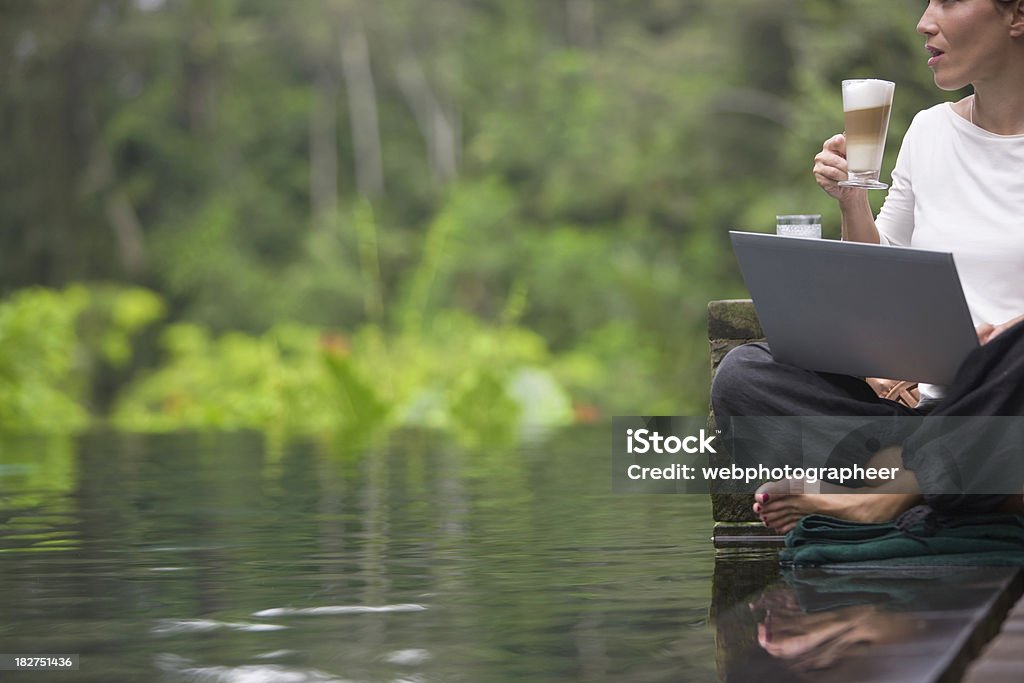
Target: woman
[(958, 186)]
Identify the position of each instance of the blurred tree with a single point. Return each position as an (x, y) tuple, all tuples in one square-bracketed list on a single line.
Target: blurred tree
[(344, 162)]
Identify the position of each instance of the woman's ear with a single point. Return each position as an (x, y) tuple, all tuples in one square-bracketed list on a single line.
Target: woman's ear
[(1017, 19)]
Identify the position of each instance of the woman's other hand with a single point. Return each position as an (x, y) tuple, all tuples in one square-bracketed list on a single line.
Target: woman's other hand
[(987, 332)]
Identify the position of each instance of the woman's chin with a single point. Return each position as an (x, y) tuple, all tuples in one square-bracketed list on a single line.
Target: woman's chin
[(948, 84)]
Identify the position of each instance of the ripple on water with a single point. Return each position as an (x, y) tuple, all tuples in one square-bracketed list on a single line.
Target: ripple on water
[(337, 609), (275, 654), (409, 657), (252, 673), (173, 626)]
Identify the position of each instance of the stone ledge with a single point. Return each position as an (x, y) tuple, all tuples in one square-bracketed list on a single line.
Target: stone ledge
[(732, 507), (731, 323), (731, 534), (733, 319)]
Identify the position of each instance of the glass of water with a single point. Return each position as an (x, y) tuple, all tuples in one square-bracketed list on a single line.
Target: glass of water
[(799, 225)]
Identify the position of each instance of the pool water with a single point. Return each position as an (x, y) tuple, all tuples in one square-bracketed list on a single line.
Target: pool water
[(232, 558)]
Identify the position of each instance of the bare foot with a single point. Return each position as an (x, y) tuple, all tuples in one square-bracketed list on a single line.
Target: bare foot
[(781, 504)]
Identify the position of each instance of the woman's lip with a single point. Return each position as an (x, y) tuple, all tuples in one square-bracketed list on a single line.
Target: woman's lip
[(934, 59)]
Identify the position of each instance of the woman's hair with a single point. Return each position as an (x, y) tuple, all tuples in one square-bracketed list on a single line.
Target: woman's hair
[(1006, 4)]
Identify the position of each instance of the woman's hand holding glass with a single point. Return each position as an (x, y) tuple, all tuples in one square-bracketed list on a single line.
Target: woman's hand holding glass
[(830, 167)]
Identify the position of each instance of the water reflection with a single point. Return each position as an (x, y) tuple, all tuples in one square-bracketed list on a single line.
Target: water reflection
[(863, 625), (811, 641), (220, 558)]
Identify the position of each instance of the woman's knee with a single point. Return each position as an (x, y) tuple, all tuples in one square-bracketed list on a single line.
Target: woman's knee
[(735, 375)]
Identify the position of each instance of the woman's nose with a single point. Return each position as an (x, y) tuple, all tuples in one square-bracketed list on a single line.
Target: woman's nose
[(926, 24)]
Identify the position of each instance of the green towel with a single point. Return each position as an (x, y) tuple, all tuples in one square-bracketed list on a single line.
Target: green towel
[(995, 540)]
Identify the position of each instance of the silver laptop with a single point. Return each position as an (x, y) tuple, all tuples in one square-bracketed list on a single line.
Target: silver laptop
[(858, 309)]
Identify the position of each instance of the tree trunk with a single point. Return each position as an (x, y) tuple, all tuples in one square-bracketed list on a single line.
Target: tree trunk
[(437, 125), (127, 231), (579, 19), (323, 149), (100, 177), (362, 104), (199, 87)]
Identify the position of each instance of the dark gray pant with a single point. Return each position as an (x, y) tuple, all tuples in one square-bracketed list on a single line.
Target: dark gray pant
[(945, 454)]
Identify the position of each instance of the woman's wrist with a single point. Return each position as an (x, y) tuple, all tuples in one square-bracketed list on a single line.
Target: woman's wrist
[(858, 223), (856, 204)]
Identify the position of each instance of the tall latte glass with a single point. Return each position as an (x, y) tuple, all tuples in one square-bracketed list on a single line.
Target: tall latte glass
[(866, 106)]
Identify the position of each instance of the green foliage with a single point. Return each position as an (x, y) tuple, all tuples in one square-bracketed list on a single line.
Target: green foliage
[(276, 381), (554, 185), (479, 382), (114, 317), (54, 342), (38, 391)]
